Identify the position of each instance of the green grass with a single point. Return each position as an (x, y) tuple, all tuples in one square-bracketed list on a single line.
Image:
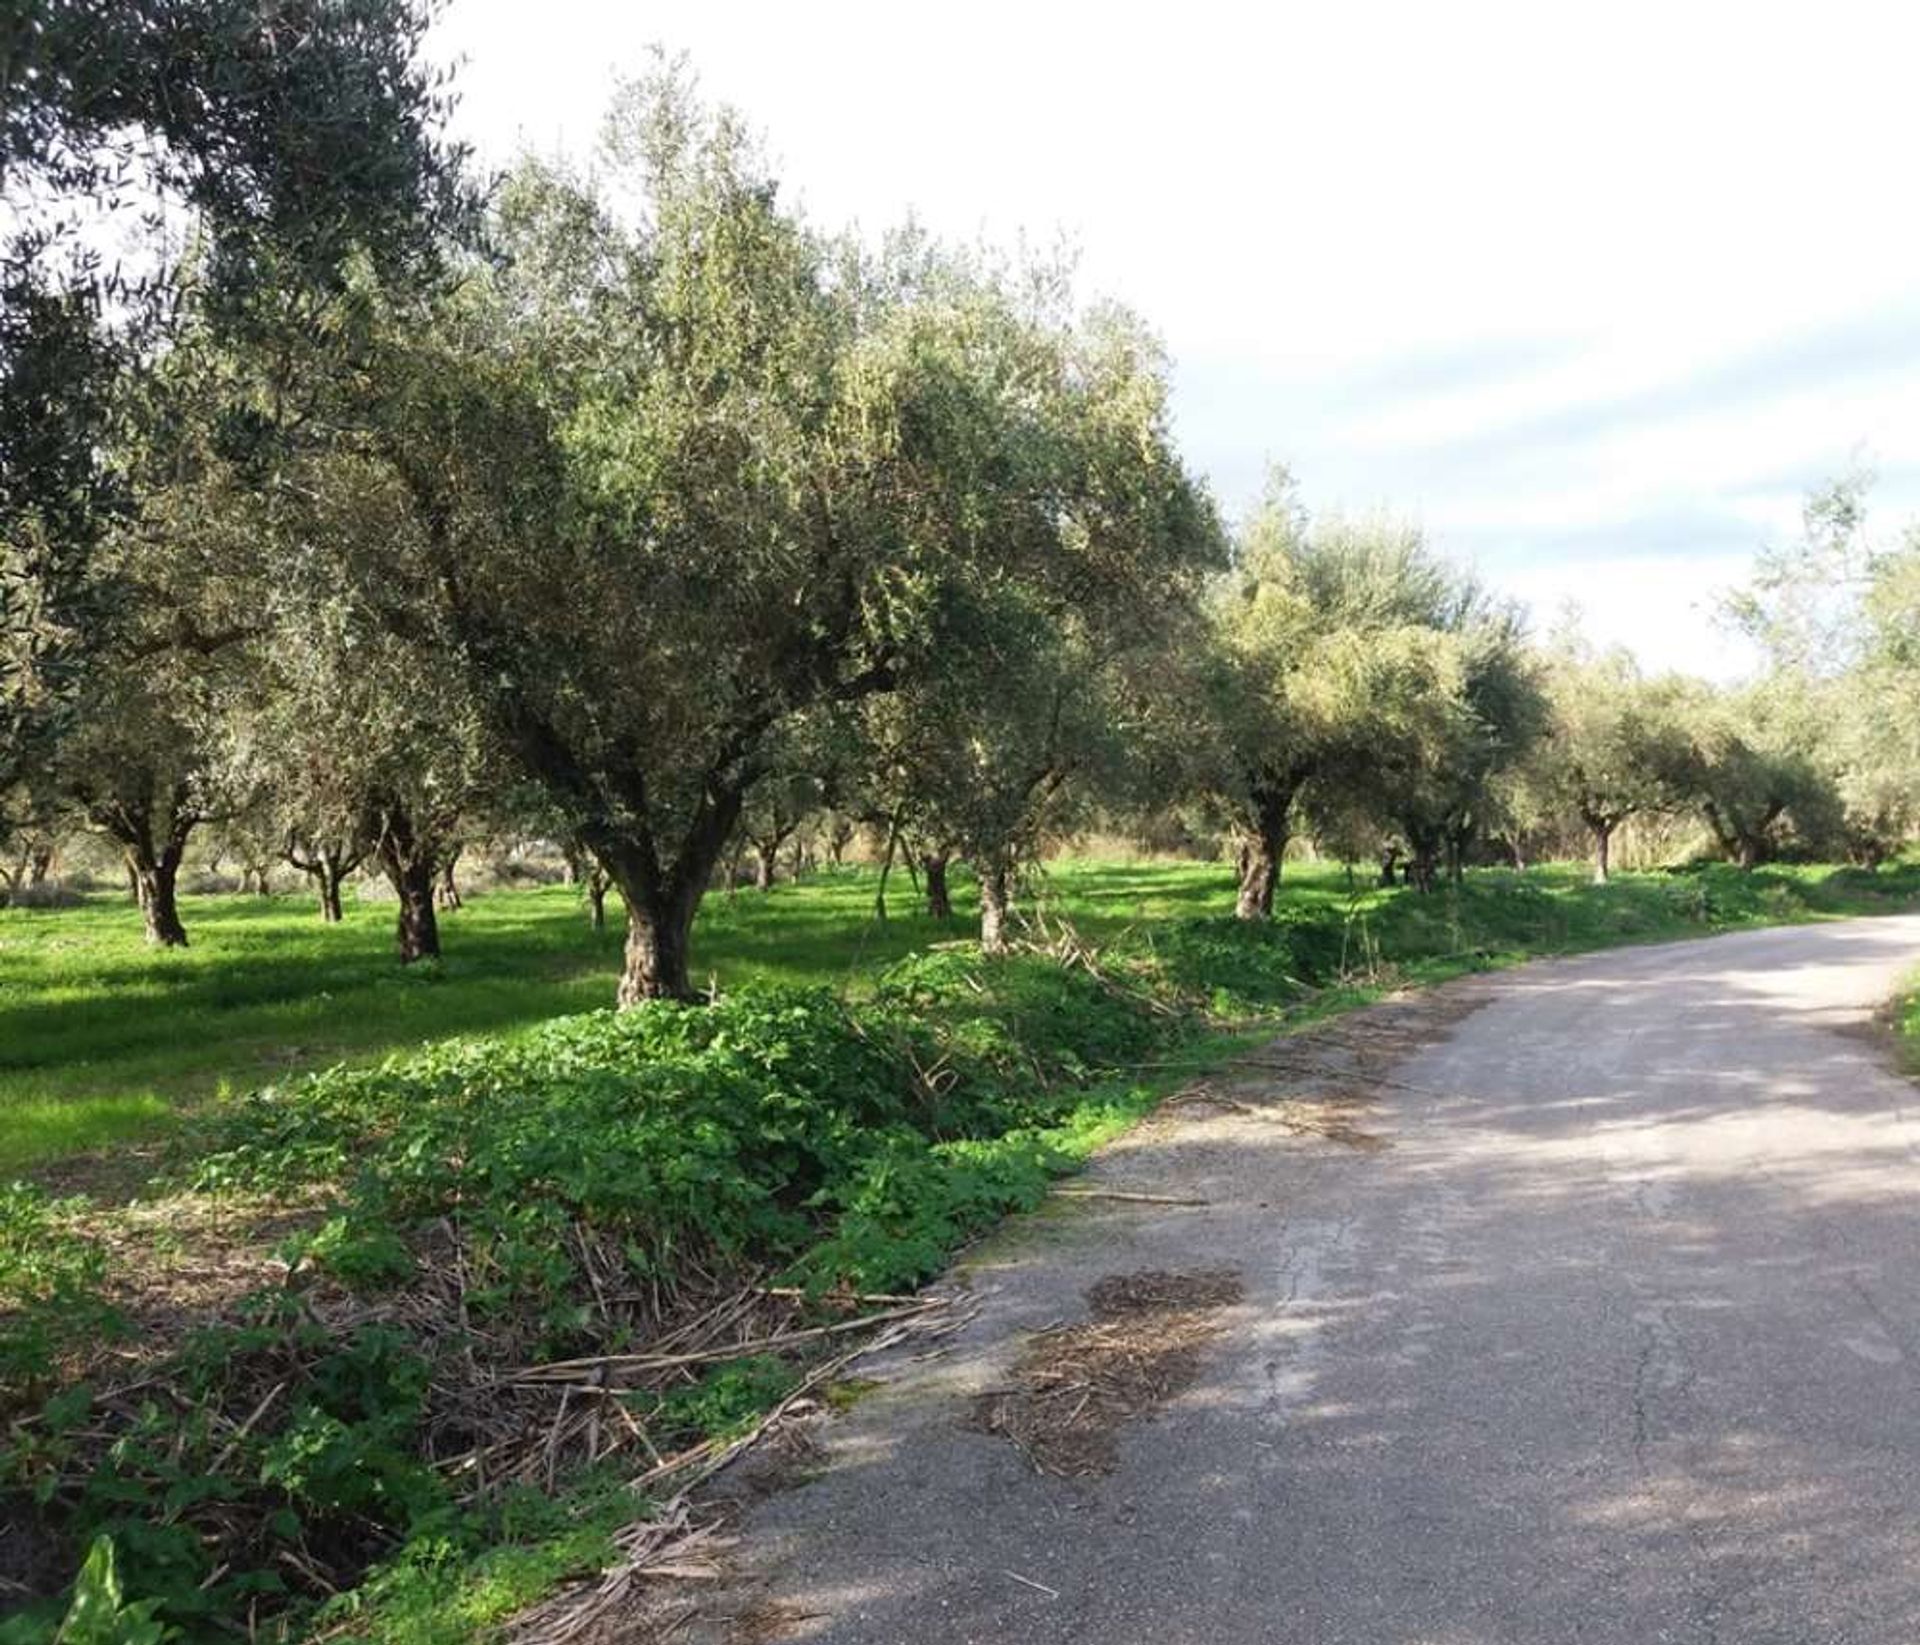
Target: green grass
[(104, 1040)]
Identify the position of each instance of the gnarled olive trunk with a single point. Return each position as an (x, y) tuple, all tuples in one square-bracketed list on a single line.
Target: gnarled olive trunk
[(418, 927), (328, 866), (1459, 844), (1602, 828), (152, 829), (156, 886), (657, 954), (995, 872), (766, 858), (1262, 850), (411, 859), (933, 865), (1424, 843), (661, 899)]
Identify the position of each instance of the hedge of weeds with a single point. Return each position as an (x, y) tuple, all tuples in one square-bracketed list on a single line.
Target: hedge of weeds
[(672, 1182)]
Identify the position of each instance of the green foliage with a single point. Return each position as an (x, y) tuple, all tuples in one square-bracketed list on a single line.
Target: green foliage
[(741, 1128), (727, 1401), (50, 1289), (99, 1613), (454, 1586)]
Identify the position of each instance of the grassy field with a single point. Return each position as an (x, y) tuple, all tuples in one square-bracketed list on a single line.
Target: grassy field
[(104, 1040)]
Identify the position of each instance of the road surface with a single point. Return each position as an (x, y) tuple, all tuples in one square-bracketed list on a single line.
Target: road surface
[(1596, 1319)]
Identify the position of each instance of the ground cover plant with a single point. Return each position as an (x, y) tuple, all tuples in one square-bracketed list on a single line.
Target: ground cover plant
[(393, 1341)]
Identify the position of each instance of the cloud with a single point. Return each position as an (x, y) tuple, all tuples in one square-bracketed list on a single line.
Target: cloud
[(1866, 349)]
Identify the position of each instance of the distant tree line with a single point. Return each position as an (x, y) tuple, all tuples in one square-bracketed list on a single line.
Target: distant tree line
[(384, 510)]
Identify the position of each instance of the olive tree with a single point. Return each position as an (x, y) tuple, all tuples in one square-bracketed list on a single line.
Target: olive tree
[(1037, 695), (358, 743), (282, 140), (680, 478), (1747, 763), (1612, 744), (1324, 673)]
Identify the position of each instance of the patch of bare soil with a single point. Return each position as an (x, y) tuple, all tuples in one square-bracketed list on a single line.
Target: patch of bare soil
[(1330, 1117), (1076, 1386), (768, 1621), (176, 1262), (1319, 1081)]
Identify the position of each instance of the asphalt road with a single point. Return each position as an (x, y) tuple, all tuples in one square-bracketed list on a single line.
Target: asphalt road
[(1597, 1320)]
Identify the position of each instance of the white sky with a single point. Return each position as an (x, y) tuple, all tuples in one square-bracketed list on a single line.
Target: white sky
[(1594, 292)]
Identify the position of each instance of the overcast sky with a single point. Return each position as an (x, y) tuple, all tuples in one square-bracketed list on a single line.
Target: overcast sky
[(1594, 293)]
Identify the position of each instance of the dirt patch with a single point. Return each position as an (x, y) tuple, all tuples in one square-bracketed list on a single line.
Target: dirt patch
[(767, 1622), (1319, 1081), (178, 1261), (1330, 1116), (1076, 1386)]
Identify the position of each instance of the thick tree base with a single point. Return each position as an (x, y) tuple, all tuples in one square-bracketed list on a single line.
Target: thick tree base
[(933, 866), (996, 908), (656, 961)]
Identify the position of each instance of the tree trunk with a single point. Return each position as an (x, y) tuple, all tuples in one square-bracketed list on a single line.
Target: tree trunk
[(449, 890), (329, 874), (1602, 850), (418, 927), (1388, 858), (657, 953), (156, 881), (939, 901), (412, 869), (153, 870), (663, 897), (1262, 851), (765, 860), (996, 902), (597, 897), (1423, 859), (886, 868), (39, 864)]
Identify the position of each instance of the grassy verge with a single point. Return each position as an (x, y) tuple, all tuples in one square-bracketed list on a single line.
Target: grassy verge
[(326, 1375)]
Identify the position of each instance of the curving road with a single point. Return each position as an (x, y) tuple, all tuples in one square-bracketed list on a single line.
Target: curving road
[(1597, 1320)]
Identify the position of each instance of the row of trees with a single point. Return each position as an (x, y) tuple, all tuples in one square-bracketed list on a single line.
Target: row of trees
[(631, 511)]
